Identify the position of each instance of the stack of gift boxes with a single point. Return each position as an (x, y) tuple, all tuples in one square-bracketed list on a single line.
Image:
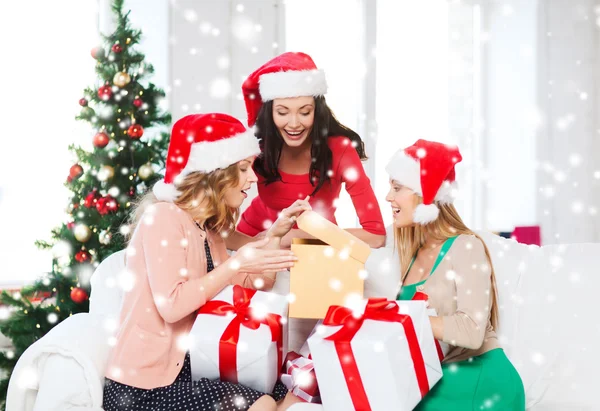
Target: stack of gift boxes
[(363, 355)]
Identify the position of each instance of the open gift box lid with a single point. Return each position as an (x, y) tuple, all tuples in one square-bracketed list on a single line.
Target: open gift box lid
[(329, 233)]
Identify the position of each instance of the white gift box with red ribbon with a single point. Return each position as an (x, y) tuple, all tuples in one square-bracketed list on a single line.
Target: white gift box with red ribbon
[(239, 336), (299, 378), (442, 347), (381, 359)]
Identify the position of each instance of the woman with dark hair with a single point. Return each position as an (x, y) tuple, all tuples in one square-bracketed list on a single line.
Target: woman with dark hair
[(305, 151)]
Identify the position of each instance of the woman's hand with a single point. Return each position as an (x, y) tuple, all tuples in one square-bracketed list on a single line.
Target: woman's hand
[(287, 218), (253, 259)]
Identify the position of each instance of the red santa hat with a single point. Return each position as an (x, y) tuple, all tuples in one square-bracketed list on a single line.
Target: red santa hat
[(287, 75), (427, 168), (204, 142)]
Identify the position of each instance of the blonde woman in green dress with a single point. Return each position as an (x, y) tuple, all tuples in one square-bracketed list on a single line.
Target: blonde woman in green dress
[(451, 265)]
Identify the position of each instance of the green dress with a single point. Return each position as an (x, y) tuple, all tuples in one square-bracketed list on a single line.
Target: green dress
[(486, 382)]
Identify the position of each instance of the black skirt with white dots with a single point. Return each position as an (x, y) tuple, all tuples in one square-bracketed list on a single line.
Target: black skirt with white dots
[(185, 394)]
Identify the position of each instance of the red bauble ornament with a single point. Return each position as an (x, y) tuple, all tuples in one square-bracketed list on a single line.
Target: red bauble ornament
[(91, 199), (75, 172), (101, 140), (83, 256), (135, 131), (71, 225), (105, 92), (116, 48), (83, 102), (79, 295), (97, 53), (137, 102), (132, 192), (107, 204)]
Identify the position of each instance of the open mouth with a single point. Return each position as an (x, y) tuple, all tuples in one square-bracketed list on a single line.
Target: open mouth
[(395, 210), (244, 192), (294, 135)]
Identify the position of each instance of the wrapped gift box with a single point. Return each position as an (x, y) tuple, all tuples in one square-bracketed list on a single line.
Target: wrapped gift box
[(299, 378), (380, 360), (329, 270), (239, 336), (441, 347)]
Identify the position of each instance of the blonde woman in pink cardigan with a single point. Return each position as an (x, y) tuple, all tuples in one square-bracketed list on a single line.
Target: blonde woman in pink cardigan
[(178, 261)]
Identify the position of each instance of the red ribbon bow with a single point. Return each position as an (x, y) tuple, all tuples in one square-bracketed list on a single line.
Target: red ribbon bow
[(244, 316), (378, 309)]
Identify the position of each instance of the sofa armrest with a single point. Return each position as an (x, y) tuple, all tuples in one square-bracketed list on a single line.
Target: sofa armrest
[(79, 346)]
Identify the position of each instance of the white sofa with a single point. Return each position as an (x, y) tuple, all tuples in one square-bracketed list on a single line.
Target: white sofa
[(548, 326)]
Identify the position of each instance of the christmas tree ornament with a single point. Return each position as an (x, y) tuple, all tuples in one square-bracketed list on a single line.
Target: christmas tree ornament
[(82, 233), (91, 198), (104, 237), (98, 53), (105, 173), (100, 140), (137, 102), (117, 48), (135, 131), (106, 205), (121, 79), (145, 171), (83, 102), (87, 112), (132, 192), (70, 225), (79, 295), (105, 92), (75, 171), (114, 191)]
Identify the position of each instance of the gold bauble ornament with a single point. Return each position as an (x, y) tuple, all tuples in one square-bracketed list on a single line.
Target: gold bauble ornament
[(105, 173), (121, 79), (145, 171), (82, 233)]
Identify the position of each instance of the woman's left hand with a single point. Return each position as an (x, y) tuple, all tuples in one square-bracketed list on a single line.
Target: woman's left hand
[(287, 218)]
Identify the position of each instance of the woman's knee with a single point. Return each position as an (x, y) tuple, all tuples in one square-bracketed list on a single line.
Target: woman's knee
[(264, 403)]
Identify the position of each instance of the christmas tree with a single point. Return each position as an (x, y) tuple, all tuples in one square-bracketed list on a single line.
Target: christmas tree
[(128, 149)]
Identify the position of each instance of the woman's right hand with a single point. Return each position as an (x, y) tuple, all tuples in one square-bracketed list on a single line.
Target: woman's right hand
[(253, 259)]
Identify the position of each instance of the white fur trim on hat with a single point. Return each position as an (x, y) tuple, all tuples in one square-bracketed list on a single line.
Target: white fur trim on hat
[(284, 84), (165, 192), (425, 213), (406, 171), (447, 192), (209, 156)]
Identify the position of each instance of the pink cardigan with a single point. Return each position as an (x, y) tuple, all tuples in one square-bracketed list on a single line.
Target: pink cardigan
[(166, 271)]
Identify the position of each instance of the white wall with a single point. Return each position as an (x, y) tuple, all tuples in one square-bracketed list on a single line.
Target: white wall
[(509, 114), (569, 141)]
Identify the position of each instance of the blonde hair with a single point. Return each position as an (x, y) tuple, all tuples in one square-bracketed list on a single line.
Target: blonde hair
[(202, 196), (448, 224)]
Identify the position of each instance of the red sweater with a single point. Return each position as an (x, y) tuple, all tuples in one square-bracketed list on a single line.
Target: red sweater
[(347, 168)]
